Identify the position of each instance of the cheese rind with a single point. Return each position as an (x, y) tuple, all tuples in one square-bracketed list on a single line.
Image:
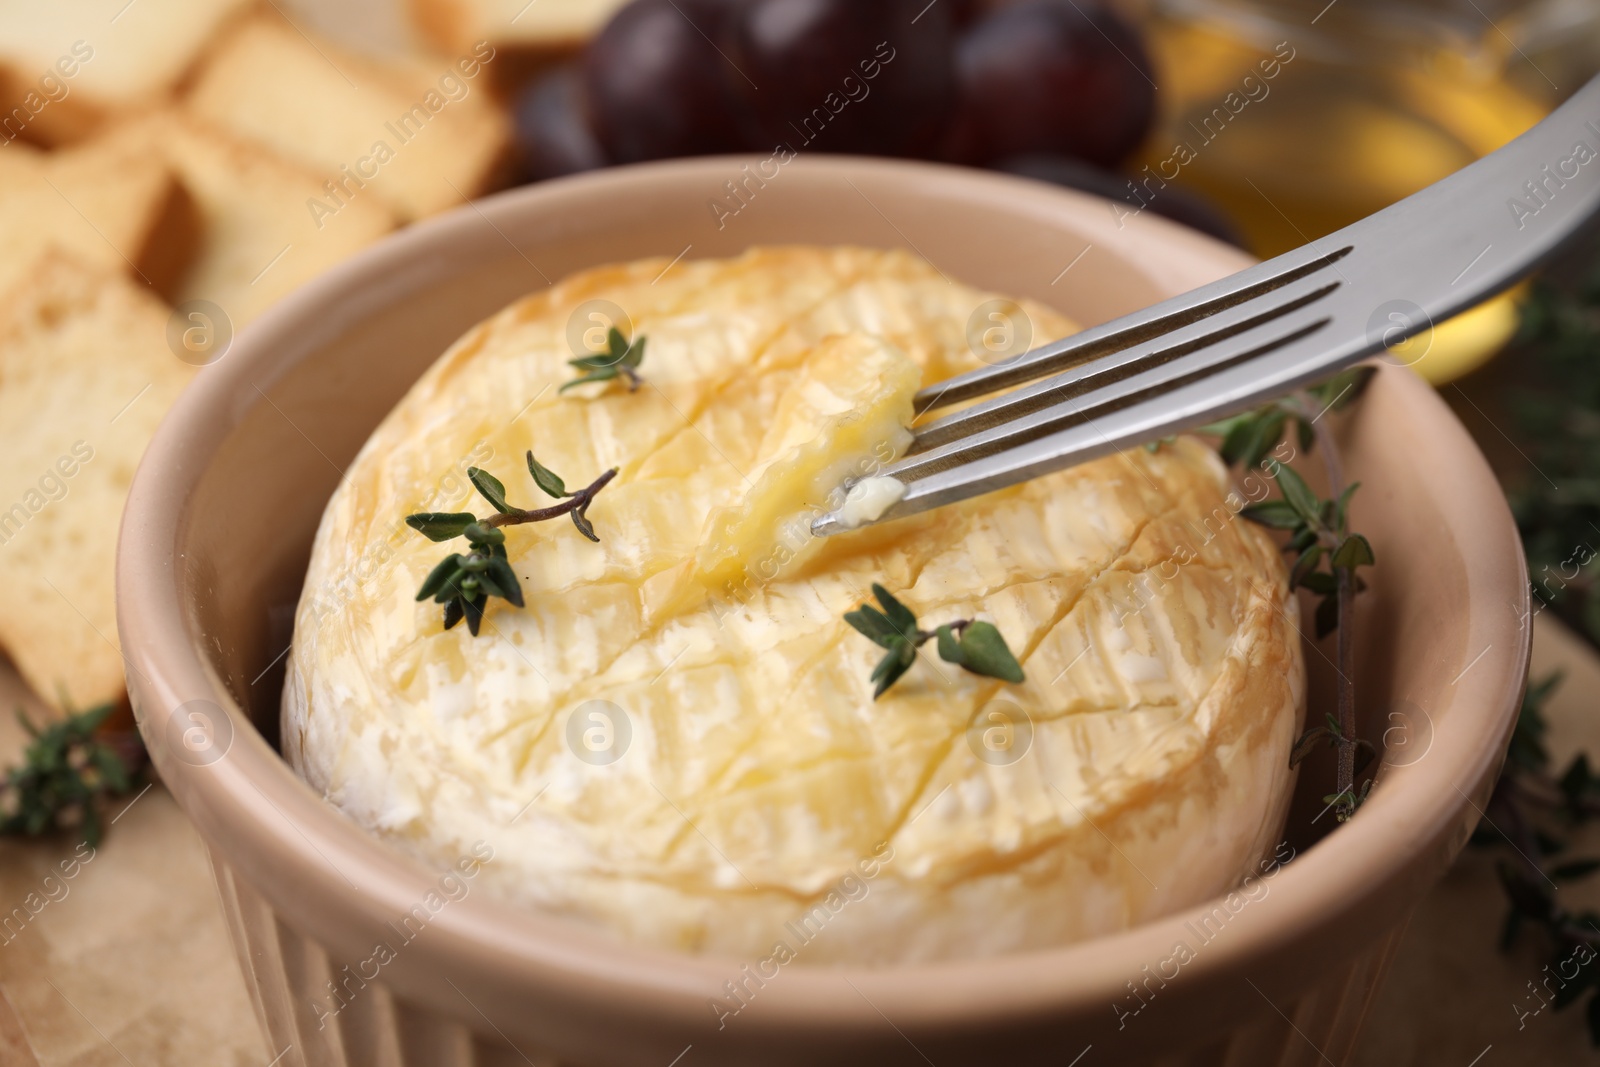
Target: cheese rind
[(703, 766)]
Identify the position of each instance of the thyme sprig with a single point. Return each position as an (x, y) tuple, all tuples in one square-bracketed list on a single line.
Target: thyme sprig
[(1319, 531), (971, 644), (621, 360), (1328, 555), (464, 582), (65, 775), (1529, 813), (1549, 382), (1248, 439), (1553, 395), (1330, 732)]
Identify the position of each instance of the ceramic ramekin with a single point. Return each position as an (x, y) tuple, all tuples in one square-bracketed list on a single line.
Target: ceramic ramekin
[(214, 546)]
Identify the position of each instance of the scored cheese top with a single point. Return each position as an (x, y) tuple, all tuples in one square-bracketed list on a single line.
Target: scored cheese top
[(675, 741)]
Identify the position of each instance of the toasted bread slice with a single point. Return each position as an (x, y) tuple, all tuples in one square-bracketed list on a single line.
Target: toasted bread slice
[(544, 25), (421, 135), (382, 29), (67, 67), (85, 376), (261, 236), (108, 205)]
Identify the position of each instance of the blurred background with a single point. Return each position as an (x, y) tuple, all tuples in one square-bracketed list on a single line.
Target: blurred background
[(1265, 123)]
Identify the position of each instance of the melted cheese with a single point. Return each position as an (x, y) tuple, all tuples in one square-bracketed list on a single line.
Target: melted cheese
[(843, 415), (867, 500), (675, 741)]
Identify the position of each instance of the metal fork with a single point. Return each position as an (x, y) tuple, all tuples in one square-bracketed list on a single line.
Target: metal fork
[(1263, 332)]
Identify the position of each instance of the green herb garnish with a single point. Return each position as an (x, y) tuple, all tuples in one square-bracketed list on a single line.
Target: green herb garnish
[(1327, 553), (1549, 382), (65, 774), (464, 582), (1529, 813), (1248, 439), (620, 361), (1319, 531), (1331, 733), (969, 643)]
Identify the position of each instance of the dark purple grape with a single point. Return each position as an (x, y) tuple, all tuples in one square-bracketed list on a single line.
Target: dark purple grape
[(1057, 76), (845, 75), (1145, 191), (553, 134), (657, 85), (964, 12)]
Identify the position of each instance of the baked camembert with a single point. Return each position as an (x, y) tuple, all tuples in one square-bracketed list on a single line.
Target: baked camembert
[(675, 740)]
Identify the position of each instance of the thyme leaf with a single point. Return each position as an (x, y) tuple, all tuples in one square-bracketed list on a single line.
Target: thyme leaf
[(971, 644), (620, 360), (464, 582)]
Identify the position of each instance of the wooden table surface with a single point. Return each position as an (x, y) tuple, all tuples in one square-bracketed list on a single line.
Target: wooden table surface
[(130, 963)]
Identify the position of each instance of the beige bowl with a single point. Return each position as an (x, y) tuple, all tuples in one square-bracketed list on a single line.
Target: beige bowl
[(214, 548)]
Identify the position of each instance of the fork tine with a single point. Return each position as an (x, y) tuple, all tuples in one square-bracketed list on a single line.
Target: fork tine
[(1143, 388), (1168, 349), (1085, 441), (1141, 327)]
